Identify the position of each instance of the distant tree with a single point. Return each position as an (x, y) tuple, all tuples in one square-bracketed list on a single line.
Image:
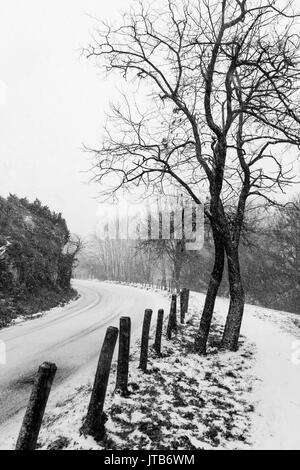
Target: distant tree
[(173, 251)]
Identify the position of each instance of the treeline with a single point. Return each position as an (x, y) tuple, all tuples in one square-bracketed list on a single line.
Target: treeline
[(35, 261), (114, 260), (269, 252)]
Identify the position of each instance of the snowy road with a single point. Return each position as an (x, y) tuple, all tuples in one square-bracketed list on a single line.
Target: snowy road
[(71, 337)]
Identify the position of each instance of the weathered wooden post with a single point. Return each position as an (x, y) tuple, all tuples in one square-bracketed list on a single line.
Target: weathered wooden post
[(183, 294), (172, 322), (145, 340), (174, 317), (123, 357), (96, 418), (33, 418), (158, 333), (187, 299)]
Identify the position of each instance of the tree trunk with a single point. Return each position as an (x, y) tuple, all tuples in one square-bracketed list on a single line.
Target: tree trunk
[(177, 277), (163, 272), (213, 287), (237, 302), (179, 258)]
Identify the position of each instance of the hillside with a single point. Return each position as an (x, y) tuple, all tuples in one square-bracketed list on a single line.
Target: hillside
[(35, 264)]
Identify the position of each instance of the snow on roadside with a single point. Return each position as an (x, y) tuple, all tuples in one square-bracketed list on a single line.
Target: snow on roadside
[(276, 384), (184, 402), (286, 321), (277, 388), (24, 318)]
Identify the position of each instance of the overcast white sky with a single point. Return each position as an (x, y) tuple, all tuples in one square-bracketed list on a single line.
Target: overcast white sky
[(55, 102)]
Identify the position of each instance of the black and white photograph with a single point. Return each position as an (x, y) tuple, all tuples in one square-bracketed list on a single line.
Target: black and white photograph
[(149, 228)]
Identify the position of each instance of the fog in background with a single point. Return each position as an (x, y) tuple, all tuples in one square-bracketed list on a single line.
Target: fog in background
[(52, 102)]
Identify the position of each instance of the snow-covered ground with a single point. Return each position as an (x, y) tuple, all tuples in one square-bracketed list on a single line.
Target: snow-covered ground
[(248, 399), (276, 373), (276, 391)]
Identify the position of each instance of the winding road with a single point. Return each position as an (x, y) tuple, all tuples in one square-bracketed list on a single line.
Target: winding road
[(69, 336)]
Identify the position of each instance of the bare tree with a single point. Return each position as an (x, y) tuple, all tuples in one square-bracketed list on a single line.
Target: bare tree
[(173, 250), (73, 248), (223, 82)]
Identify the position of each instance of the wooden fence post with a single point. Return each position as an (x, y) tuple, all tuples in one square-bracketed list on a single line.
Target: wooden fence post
[(172, 322), (96, 418), (158, 334), (123, 357), (33, 418), (174, 317), (145, 340), (183, 294), (187, 298)]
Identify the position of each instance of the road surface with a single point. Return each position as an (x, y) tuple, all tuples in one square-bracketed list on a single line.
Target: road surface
[(71, 337)]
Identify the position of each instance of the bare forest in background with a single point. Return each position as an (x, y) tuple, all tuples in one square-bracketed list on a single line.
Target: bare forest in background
[(270, 254)]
